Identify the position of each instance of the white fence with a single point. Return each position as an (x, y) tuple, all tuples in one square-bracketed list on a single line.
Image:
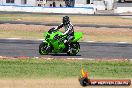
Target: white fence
[(71, 10), (123, 9)]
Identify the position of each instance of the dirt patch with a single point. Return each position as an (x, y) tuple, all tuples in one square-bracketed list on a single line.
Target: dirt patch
[(24, 27), (86, 30), (101, 31), (47, 83), (111, 20)]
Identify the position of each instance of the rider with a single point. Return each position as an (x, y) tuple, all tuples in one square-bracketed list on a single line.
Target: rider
[(69, 30)]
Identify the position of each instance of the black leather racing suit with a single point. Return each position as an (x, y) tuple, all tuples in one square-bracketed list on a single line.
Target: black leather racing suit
[(69, 31)]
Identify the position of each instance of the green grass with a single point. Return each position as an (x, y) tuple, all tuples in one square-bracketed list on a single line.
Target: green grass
[(40, 68), (7, 19), (21, 34), (127, 18), (27, 17)]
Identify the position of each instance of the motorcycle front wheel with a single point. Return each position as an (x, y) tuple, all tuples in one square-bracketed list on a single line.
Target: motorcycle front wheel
[(44, 48)]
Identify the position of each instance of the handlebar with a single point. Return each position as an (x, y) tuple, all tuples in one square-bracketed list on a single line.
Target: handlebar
[(51, 30)]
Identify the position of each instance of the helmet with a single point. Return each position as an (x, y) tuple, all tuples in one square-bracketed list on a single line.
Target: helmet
[(66, 20)]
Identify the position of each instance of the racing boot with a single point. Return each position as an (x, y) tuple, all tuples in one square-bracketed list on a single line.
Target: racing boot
[(69, 48)]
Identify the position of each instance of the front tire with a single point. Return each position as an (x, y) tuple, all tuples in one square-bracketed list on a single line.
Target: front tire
[(44, 48), (84, 82), (75, 47)]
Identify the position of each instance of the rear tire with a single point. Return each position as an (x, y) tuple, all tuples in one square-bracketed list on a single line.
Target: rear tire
[(75, 47), (44, 48)]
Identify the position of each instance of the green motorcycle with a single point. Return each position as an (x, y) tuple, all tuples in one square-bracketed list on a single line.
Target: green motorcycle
[(53, 43)]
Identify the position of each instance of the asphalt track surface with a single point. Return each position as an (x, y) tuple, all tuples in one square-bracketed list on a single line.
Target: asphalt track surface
[(29, 48)]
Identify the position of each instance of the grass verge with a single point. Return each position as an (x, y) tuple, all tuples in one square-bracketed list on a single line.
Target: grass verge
[(110, 20), (23, 34), (58, 68)]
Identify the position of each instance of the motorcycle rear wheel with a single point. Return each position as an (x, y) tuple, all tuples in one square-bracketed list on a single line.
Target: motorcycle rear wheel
[(75, 47)]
